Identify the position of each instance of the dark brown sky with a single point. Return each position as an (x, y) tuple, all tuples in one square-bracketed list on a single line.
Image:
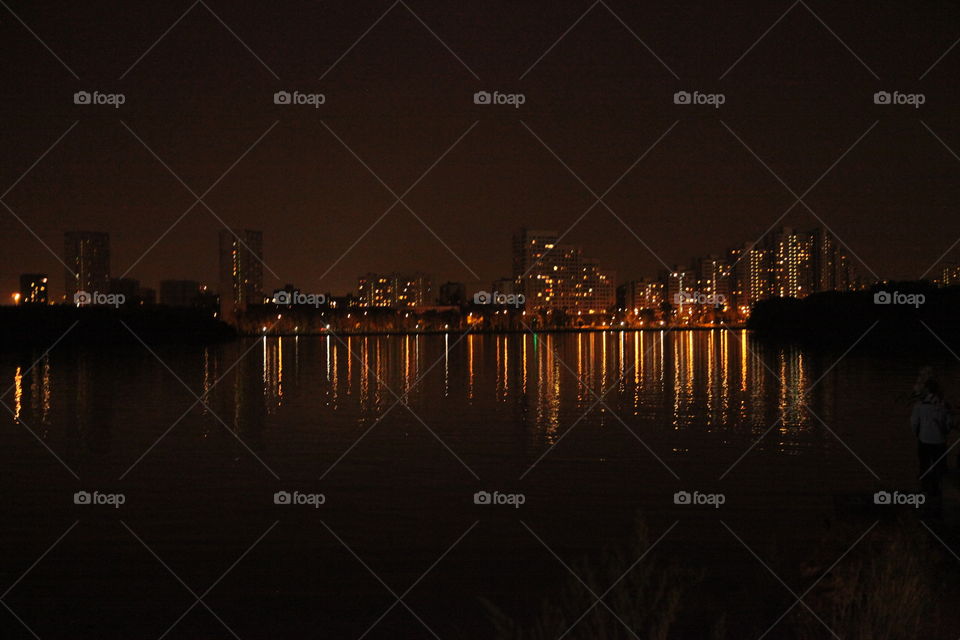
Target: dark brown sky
[(799, 98)]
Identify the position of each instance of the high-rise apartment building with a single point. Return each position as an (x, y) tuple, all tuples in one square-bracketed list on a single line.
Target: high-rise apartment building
[(241, 271), (750, 270), (832, 269), (557, 276), (87, 258), (394, 290), (792, 252)]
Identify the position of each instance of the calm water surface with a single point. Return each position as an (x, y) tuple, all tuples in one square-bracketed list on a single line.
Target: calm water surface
[(398, 433)]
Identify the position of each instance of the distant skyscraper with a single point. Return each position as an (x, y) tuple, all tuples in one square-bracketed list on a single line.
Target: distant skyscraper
[(33, 288), (413, 290), (949, 275), (241, 271), (641, 294), (713, 277), (832, 270), (87, 256), (793, 275), (557, 276), (376, 290), (677, 281), (529, 250), (751, 272), (395, 290)]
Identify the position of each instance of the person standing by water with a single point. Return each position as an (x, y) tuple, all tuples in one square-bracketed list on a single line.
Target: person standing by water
[(931, 421)]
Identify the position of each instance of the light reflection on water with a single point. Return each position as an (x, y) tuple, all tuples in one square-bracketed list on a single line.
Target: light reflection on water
[(715, 382)]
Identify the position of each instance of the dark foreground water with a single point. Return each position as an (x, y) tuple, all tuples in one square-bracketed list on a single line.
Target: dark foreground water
[(591, 431)]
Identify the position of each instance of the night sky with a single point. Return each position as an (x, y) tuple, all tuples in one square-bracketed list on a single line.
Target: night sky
[(399, 99)]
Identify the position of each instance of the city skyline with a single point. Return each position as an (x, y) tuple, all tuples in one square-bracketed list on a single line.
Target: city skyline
[(537, 255)]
